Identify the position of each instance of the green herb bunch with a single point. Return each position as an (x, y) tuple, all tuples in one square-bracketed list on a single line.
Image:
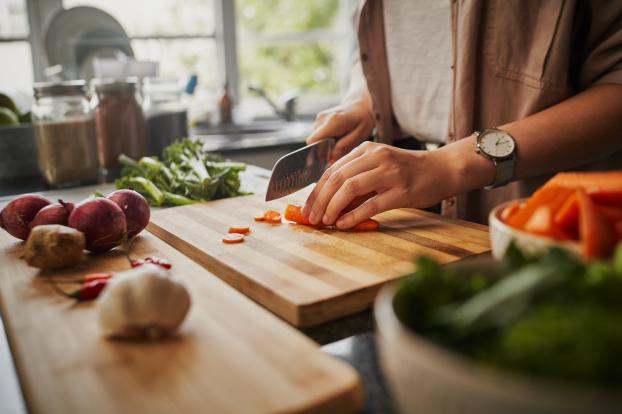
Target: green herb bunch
[(187, 174)]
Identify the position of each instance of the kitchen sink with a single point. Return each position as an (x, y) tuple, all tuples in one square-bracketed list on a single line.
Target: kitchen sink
[(255, 134), (259, 143), (240, 129)]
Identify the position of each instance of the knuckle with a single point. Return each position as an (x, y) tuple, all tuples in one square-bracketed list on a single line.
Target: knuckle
[(367, 145), (352, 185), (384, 152), (335, 177), (372, 207)]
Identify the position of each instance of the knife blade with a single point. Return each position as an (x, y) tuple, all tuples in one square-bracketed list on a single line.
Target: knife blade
[(300, 168)]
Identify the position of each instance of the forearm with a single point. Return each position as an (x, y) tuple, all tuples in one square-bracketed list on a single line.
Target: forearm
[(578, 130)]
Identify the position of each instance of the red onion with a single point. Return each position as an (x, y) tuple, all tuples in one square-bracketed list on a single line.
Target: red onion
[(19, 212), (135, 207), (101, 221), (56, 213)]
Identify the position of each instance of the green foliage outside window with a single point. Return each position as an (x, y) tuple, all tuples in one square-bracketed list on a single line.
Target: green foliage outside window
[(280, 66)]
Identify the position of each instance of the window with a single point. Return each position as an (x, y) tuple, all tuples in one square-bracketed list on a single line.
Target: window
[(302, 45), (16, 75), (179, 35), (279, 45)]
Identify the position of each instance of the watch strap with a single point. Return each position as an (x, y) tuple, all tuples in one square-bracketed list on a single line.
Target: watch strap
[(504, 172)]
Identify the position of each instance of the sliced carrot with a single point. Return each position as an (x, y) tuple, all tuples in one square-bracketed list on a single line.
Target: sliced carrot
[(239, 229), (613, 214), (272, 216), (551, 196), (509, 211), (567, 217), (367, 225), (541, 222), (597, 234), (293, 212), (604, 187), (592, 182), (232, 238), (259, 217)]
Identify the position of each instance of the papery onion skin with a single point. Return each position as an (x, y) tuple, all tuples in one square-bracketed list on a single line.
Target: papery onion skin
[(55, 213), (102, 221), (135, 207), (16, 216)]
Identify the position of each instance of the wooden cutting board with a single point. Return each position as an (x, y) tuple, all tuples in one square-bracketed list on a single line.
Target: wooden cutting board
[(309, 276), (231, 356)]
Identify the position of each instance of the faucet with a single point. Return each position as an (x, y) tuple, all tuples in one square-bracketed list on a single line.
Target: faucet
[(288, 113)]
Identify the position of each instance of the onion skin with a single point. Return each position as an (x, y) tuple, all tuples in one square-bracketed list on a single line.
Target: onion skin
[(55, 213), (16, 216), (135, 207), (102, 221)]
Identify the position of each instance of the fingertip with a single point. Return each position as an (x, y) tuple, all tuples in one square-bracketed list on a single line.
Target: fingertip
[(313, 219), (342, 223)]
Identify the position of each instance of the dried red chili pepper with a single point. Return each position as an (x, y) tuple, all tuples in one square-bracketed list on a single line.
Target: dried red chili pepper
[(97, 276), (153, 260), (89, 290)]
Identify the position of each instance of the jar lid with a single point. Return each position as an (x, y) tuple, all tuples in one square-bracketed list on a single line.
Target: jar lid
[(65, 88), (114, 85)]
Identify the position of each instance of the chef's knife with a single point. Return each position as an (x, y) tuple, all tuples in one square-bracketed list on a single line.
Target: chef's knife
[(298, 169)]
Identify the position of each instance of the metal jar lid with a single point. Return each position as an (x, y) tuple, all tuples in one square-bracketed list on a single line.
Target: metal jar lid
[(65, 88), (114, 85)]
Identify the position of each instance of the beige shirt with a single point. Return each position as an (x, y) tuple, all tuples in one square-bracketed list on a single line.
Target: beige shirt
[(511, 59), (418, 40)]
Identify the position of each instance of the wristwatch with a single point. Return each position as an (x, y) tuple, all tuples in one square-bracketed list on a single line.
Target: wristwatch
[(499, 147)]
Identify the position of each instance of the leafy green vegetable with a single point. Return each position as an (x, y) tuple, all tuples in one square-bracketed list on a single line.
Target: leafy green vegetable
[(186, 174), (550, 315)]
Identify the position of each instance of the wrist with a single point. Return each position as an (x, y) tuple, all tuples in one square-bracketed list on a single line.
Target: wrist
[(467, 170)]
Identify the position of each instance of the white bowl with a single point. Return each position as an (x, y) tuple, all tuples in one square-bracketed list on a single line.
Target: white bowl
[(427, 379), (501, 235)]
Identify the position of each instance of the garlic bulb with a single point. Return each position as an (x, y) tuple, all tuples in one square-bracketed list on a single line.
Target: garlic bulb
[(142, 302)]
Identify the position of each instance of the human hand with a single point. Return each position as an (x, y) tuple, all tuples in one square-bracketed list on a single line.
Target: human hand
[(386, 176), (352, 122)]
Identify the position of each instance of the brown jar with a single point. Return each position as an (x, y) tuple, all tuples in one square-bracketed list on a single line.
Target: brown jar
[(119, 121), (65, 133)]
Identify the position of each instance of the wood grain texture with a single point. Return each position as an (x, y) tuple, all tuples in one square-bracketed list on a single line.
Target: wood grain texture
[(231, 356), (309, 276)]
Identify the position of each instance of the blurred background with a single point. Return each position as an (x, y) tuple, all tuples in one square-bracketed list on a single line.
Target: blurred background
[(282, 45), (246, 77)]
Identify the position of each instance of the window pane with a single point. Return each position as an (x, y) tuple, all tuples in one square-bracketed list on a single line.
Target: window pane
[(157, 17), (181, 58), (302, 45), (311, 68), (13, 18), (286, 16), (18, 75)]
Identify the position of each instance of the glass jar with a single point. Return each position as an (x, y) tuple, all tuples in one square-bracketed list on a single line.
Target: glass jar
[(119, 121), (65, 133)]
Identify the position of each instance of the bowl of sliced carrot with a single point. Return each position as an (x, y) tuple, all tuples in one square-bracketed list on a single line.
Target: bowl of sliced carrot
[(578, 211)]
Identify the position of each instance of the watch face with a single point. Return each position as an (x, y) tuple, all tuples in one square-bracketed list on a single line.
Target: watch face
[(496, 144)]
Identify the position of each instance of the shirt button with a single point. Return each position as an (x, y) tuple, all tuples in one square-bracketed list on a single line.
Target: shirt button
[(364, 57), (453, 67), (377, 116)]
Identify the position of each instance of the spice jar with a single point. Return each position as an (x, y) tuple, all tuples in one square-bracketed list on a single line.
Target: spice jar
[(119, 121), (65, 133)]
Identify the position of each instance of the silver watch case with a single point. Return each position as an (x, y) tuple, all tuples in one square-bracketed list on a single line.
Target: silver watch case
[(504, 165)]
